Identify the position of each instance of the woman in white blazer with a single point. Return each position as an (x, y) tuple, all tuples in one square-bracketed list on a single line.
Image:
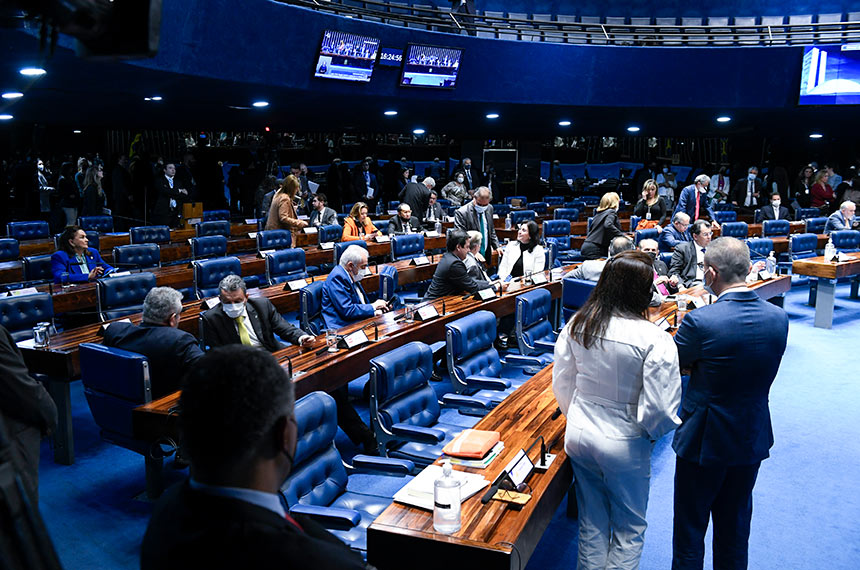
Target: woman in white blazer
[(525, 255)]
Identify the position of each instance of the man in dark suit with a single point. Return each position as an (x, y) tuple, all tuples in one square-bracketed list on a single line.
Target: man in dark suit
[(171, 352), (417, 195), (239, 319), (404, 222), (239, 430), (687, 266), (473, 179), (675, 233), (451, 276), (746, 192), (694, 200), (26, 409), (365, 187), (434, 212), (478, 215), (168, 206), (733, 349), (775, 211)]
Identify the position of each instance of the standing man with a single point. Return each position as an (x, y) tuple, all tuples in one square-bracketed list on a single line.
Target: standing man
[(365, 186), (168, 207), (321, 214), (417, 195), (694, 200), (733, 349), (478, 215), (746, 193), (466, 11)]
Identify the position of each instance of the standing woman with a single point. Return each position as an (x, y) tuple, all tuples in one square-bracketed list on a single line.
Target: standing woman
[(616, 378), (803, 187), (282, 212), (525, 255), (604, 227), (75, 261), (821, 192), (68, 193), (357, 225), (651, 207), (94, 195)]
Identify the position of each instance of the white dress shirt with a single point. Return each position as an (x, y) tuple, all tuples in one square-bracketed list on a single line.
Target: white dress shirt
[(700, 263)]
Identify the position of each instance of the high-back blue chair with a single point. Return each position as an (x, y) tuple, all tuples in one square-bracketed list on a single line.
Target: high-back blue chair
[(578, 204), (634, 221), (37, 268), (347, 207), (330, 233), (738, 230), (341, 246), (407, 246), (558, 232), (815, 225), (9, 249), (213, 228), (520, 216), (523, 200), (770, 228), (216, 215), (723, 216), (501, 210), (28, 230), (802, 246), (20, 314), (554, 200), (571, 214), (149, 234), (806, 213), (446, 204), (122, 296), (535, 334), (760, 248), (392, 204), (650, 233), (208, 246), (310, 308), (390, 290), (574, 294), (115, 382), (100, 224), (209, 272), (847, 241), (540, 208), (285, 265), (274, 239), (723, 207), (590, 200), (137, 256), (317, 485)]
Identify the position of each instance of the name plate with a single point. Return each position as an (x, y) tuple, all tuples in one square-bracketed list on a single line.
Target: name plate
[(485, 294), (327, 245), (252, 235), (310, 229), (194, 221), (431, 234), (842, 256), (392, 212), (449, 219), (302, 217), (420, 260), (295, 285), (538, 278), (664, 324), (265, 253), (426, 313), (764, 275), (119, 274), (22, 292), (495, 216), (699, 302), (211, 302), (353, 340), (383, 239)]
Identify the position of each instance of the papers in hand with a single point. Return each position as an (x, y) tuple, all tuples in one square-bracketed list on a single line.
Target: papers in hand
[(419, 491)]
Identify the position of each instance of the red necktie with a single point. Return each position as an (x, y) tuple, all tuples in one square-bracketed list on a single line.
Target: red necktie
[(292, 521), (696, 217)]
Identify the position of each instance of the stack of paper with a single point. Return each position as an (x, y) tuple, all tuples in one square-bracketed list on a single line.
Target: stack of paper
[(419, 491), (478, 463)]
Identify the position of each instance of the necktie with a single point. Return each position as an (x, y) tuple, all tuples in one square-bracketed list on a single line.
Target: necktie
[(244, 337), (170, 181), (293, 522), (720, 183), (696, 216), (469, 176), (482, 220)]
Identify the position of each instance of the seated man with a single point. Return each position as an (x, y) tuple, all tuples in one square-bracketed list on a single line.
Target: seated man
[(475, 263), (675, 233), (843, 219), (434, 211), (239, 429), (403, 222), (343, 298), (775, 210), (688, 261), (451, 276), (238, 319), (662, 286), (321, 215), (591, 269), (171, 352)]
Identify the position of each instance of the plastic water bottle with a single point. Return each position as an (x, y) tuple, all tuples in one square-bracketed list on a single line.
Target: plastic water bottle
[(446, 502), (439, 228), (829, 250), (770, 263), (508, 222)]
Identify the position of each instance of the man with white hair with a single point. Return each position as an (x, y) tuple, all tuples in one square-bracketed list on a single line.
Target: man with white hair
[(171, 352), (417, 195), (843, 219), (478, 215), (694, 201), (590, 269), (675, 233), (343, 298)]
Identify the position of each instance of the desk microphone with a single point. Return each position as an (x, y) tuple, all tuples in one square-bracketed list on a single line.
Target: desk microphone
[(555, 414), (493, 488), (289, 367)]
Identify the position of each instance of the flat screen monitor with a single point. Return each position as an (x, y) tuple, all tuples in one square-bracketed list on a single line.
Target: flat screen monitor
[(347, 57), (830, 76), (429, 66)]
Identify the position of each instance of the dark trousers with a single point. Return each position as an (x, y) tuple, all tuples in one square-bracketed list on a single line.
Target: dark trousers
[(705, 491), (349, 420)]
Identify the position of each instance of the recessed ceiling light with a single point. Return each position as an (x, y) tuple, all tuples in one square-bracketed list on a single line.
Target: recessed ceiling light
[(390, 113), (564, 123), (816, 136), (5, 117), (492, 115), (418, 132), (77, 132), (633, 129), (723, 119), (157, 97), (32, 71), (260, 104), (12, 95)]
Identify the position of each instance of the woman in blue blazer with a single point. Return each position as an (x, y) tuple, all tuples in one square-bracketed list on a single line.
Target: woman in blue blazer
[(75, 261)]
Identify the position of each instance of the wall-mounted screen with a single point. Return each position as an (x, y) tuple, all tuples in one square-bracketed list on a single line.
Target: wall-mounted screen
[(428, 66), (830, 76), (346, 56)]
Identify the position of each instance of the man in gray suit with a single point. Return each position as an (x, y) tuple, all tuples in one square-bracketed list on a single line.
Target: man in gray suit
[(478, 215), (591, 269), (321, 214), (687, 265)]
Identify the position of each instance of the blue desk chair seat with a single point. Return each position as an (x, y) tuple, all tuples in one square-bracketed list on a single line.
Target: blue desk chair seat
[(137, 256), (37, 268), (650, 233), (9, 249), (216, 215), (724, 216), (571, 214), (535, 334), (19, 315), (520, 216), (100, 224), (208, 246), (770, 228), (213, 228), (285, 265), (806, 213), (274, 239), (209, 272), (574, 294), (523, 200), (407, 246), (149, 234), (28, 230), (815, 225), (739, 230), (540, 208), (310, 308)]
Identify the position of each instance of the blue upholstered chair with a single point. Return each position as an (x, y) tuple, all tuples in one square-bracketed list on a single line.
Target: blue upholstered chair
[(588, 224), (274, 239), (391, 292), (540, 208), (574, 294), (806, 213), (341, 246), (216, 215), (723, 207), (407, 246), (122, 296), (520, 216), (318, 481), (738, 230), (137, 256), (760, 248), (558, 232), (347, 207), (100, 224), (723, 216), (800, 246), (28, 230), (650, 233), (149, 234), (310, 308), (578, 204), (590, 200), (815, 225), (446, 204), (285, 265), (20, 314), (571, 214), (330, 233), (554, 200), (634, 221), (770, 228), (208, 246), (115, 382), (213, 228), (209, 272), (37, 268), (9, 249), (524, 200), (535, 334), (847, 241), (501, 210), (757, 217)]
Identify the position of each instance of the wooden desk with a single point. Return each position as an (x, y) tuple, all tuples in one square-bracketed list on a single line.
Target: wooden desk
[(827, 272)]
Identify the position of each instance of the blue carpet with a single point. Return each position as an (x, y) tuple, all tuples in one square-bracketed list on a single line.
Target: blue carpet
[(805, 502)]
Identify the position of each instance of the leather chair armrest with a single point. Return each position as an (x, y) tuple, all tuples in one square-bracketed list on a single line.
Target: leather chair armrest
[(387, 465), (329, 517), (418, 434), (488, 383), (460, 401)]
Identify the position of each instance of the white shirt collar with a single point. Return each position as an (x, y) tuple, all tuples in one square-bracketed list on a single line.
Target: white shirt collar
[(735, 289), (269, 501)]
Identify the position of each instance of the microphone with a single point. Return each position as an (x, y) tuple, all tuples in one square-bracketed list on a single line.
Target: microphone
[(555, 414), (444, 312), (289, 367), (375, 331), (493, 488)]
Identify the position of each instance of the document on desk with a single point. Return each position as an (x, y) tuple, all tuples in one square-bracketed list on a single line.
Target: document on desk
[(419, 491)]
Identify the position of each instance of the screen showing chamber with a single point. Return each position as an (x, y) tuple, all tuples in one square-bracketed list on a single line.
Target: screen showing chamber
[(830, 75), (346, 56), (428, 66)]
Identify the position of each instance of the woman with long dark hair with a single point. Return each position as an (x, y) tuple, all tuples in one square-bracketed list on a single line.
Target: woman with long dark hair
[(524, 255), (616, 379), (802, 191), (75, 261)]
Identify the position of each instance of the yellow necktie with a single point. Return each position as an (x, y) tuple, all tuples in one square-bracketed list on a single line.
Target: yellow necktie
[(244, 337)]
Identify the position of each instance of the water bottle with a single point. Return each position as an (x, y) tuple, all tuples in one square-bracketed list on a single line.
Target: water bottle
[(446, 502), (829, 250), (770, 263), (439, 227), (508, 222)]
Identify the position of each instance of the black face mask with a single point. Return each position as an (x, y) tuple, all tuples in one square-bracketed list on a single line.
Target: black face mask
[(653, 254)]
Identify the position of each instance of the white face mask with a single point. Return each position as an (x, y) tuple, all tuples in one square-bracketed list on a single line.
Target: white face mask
[(776, 203), (751, 176), (665, 170), (707, 285), (460, 179), (480, 209), (362, 273), (233, 310)]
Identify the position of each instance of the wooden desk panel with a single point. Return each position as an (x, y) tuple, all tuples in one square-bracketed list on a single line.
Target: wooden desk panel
[(820, 267)]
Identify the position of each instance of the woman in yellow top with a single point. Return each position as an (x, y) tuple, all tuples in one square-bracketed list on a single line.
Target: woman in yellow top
[(358, 226), (282, 212)]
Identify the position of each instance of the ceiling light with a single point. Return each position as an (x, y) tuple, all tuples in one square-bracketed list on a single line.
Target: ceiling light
[(816, 136), (5, 117), (77, 132), (492, 115), (260, 104), (564, 123), (723, 119), (157, 97), (32, 71), (12, 95), (390, 113), (418, 132), (633, 129)]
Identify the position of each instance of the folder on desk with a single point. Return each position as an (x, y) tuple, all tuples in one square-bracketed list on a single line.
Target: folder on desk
[(472, 444), (419, 491)]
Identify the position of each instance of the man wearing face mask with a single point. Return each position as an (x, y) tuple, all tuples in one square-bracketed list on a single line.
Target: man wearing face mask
[(694, 201), (746, 193), (733, 348), (775, 211), (471, 178), (240, 433), (688, 260), (343, 298), (478, 215), (666, 186), (171, 352), (239, 319)]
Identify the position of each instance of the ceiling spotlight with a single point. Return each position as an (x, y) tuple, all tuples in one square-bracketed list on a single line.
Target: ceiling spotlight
[(418, 132), (32, 71), (77, 132), (633, 129), (12, 95), (816, 136), (723, 119), (492, 115), (5, 117), (260, 104), (390, 113), (157, 97), (564, 123)]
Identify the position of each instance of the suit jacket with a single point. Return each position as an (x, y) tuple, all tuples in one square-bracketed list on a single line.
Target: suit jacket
[(725, 415), (328, 217), (163, 214), (437, 212), (767, 213), (836, 222), (62, 264), (220, 330), (670, 237), (589, 270), (341, 304), (687, 204), (685, 263), (171, 352), (739, 193), (351, 229), (25, 408), (604, 227), (417, 196), (452, 278), (466, 218), (474, 174), (193, 529), (359, 185), (396, 225)]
